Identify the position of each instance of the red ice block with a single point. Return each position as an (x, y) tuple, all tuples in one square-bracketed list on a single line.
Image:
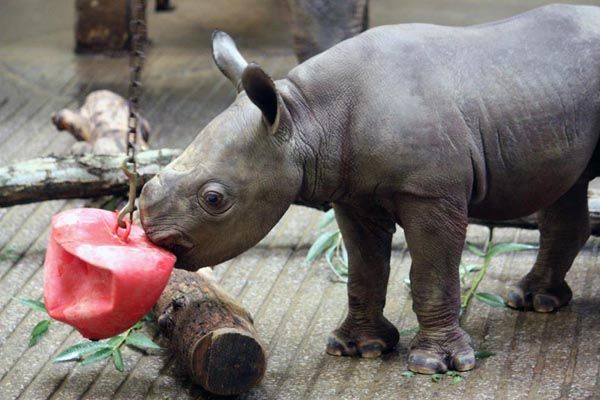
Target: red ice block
[(96, 278)]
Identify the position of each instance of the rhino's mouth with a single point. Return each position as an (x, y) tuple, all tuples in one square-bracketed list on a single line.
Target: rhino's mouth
[(172, 240), (178, 249)]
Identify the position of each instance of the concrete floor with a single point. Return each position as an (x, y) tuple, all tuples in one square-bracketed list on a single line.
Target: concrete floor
[(295, 305)]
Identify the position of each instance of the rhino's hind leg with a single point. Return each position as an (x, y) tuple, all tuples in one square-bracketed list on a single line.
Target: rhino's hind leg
[(564, 229), (365, 331), (435, 231)]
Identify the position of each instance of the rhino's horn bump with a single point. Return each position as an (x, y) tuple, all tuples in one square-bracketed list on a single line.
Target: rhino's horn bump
[(227, 57)]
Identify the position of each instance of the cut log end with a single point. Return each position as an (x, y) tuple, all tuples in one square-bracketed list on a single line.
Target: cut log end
[(228, 361), (211, 335)]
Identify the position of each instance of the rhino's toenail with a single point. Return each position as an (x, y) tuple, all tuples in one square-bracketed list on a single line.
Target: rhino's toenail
[(544, 303), (515, 299), (463, 361), (425, 364), (373, 350)]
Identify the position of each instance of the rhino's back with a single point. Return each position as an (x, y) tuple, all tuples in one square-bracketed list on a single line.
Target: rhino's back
[(520, 95), (555, 39)]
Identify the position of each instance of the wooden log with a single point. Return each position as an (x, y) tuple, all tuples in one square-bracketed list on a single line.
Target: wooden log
[(211, 335), (100, 125), (75, 176), (88, 176)]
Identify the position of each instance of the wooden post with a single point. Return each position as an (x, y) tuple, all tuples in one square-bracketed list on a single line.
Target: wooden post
[(211, 335), (102, 26)]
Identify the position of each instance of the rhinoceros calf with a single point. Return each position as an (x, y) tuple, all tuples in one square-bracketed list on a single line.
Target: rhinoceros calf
[(417, 125)]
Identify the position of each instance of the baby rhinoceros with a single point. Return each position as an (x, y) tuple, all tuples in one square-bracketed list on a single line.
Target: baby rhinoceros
[(416, 125)]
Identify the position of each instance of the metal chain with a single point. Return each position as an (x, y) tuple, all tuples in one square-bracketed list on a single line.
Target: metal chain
[(137, 28), (136, 63)]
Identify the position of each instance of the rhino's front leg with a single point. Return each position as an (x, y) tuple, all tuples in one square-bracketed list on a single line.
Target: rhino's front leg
[(365, 331), (435, 231)]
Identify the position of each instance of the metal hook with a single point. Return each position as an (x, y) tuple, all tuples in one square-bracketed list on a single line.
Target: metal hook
[(130, 206)]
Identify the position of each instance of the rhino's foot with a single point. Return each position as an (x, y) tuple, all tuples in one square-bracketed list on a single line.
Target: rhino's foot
[(438, 352), (528, 296), (367, 341)]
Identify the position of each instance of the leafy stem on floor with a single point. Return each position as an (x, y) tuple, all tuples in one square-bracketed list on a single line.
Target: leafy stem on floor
[(89, 351), (330, 244)]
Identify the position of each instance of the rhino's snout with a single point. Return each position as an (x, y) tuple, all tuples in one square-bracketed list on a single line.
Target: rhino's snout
[(152, 201), (154, 212), (151, 196)]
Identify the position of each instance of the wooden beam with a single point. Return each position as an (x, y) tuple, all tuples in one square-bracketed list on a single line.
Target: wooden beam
[(76, 176)]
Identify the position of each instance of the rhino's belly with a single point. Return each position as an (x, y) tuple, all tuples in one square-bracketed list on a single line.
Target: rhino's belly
[(523, 180)]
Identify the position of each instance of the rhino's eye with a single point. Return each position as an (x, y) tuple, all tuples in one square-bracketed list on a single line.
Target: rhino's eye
[(214, 199)]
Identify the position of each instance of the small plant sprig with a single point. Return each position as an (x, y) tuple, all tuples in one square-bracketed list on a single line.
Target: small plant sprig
[(332, 245), (88, 351), (41, 328), (8, 254), (488, 252), (469, 283)]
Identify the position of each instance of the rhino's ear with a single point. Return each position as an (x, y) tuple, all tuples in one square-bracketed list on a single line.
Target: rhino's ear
[(262, 92), (228, 58)]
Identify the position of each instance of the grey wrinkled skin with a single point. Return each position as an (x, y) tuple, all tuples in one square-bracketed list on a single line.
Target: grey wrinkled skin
[(319, 24), (416, 125)]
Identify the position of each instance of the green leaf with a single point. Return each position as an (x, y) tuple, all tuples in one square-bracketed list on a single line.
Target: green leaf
[(138, 325), (483, 354), (141, 341), (323, 242), (117, 357), (475, 250), (457, 379), (38, 331), (408, 374), (344, 253), (472, 268), (33, 304), (79, 351), (10, 255), (437, 377), (509, 248), (115, 341), (327, 218), (329, 257), (336, 265), (98, 356), (409, 331), (491, 299), (150, 317)]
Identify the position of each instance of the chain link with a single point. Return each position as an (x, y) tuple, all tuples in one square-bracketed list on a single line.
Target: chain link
[(136, 63), (137, 27)]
